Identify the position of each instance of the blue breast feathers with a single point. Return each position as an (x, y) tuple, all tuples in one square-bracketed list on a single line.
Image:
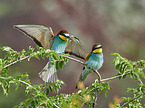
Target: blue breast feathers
[(58, 45), (95, 61)]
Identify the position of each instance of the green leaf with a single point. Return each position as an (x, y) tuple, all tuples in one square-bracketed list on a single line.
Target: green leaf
[(115, 54), (61, 63), (57, 65), (55, 56), (47, 91), (33, 104), (51, 89), (6, 48), (25, 75)]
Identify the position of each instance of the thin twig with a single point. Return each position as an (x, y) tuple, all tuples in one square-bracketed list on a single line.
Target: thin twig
[(106, 79), (139, 79), (76, 60), (99, 76), (55, 105), (15, 62), (95, 100), (79, 61), (71, 53), (19, 81), (131, 100), (24, 82)]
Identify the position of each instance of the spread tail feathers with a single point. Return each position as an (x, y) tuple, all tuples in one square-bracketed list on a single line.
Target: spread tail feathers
[(49, 73)]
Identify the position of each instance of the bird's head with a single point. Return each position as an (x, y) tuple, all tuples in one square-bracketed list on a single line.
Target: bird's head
[(64, 35), (97, 48)]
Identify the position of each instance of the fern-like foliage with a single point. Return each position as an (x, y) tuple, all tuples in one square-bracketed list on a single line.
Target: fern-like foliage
[(134, 69), (38, 95)]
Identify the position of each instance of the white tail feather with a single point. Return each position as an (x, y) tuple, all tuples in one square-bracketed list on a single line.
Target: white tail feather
[(49, 73)]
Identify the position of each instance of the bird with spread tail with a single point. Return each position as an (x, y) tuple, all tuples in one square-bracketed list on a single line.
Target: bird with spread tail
[(62, 42), (94, 61)]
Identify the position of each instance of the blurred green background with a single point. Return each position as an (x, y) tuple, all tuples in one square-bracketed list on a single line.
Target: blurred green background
[(119, 25)]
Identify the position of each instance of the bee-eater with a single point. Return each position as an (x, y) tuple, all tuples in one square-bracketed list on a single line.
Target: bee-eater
[(43, 36), (93, 61)]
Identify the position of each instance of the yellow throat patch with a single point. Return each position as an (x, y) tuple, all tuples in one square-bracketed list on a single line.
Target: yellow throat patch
[(63, 38), (98, 50)]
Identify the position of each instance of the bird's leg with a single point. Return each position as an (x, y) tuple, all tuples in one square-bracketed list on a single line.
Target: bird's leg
[(99, 76)]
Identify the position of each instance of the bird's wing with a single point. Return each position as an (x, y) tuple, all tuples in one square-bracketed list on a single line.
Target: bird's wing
[(87, 56), (42, 35), (75, 47)]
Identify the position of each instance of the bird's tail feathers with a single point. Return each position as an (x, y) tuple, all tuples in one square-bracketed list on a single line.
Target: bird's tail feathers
[(49, 73), (80, 85)]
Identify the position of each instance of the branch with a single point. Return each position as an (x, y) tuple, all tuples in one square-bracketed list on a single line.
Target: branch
[(71, 53), (107, 79), (76, 60), (99, 76), (131, 100), (19, 81), (55, 105), (29, 56), (121, 76), (15, 62)]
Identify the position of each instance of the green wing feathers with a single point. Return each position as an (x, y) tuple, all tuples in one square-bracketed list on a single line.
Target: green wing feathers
[(75, 46), (42, 35)]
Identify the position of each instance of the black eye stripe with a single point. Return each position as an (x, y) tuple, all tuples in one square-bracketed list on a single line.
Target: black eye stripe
[(62, 34), (97, 47)]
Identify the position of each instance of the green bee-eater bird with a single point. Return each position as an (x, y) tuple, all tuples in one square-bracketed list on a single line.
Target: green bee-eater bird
[(93, 61), (43, 36)]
